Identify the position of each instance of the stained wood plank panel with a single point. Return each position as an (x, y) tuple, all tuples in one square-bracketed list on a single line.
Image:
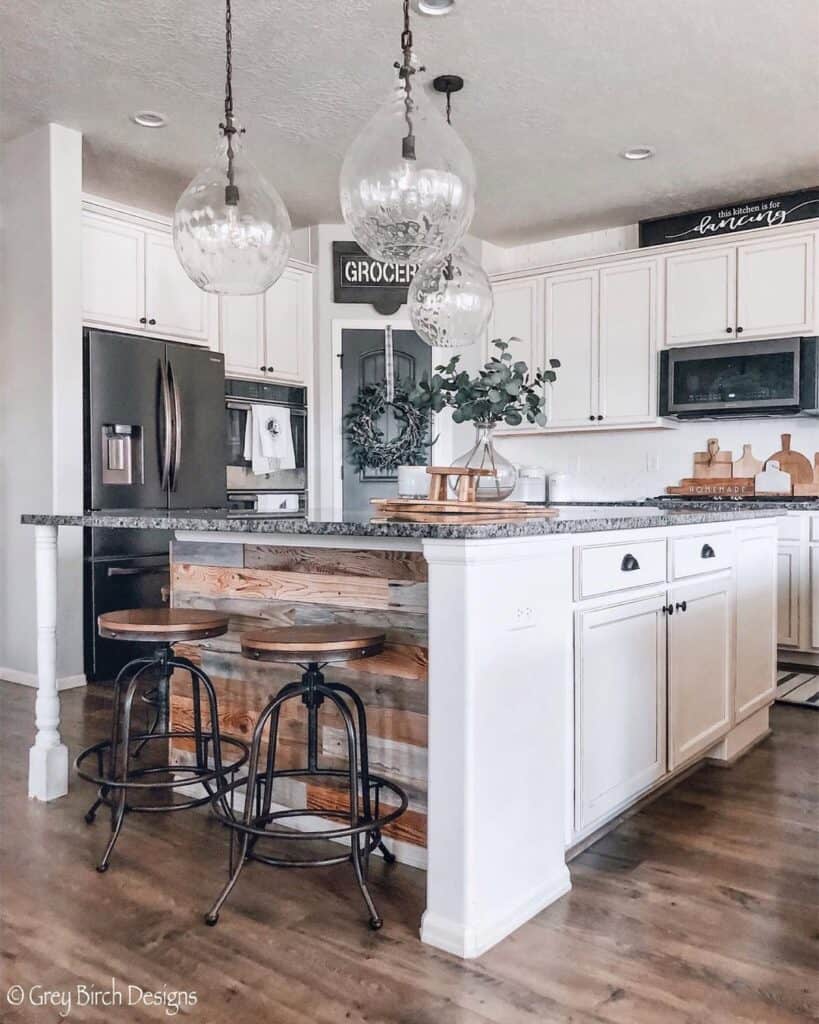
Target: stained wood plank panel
[(392, 565), (195, 553), (411, 827)]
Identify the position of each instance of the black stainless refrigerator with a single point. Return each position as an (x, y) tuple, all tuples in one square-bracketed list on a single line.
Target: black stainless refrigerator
[(154, 440)]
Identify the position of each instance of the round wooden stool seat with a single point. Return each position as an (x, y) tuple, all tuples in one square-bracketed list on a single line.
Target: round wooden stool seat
[(312, 644), (167, 625)]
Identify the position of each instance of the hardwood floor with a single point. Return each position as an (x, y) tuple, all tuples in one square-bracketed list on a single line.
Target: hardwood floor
[(704, 907)]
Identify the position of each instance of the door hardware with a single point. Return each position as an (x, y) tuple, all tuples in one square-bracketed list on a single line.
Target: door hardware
[(682, 606), (707, 552), (629, 563)]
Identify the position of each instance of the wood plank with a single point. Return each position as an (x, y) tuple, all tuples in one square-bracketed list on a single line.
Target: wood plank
[(318, 588), (392, 565), (195, 553), (399, 761), (411, 827)]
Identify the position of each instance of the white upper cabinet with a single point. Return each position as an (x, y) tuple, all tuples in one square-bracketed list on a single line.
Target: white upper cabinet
[(113, 272), (133, 281), (700, 296), (628, 342), (775, 292), (288, 325), (572, 301), (518, 313), (241, 331), (173, 303)]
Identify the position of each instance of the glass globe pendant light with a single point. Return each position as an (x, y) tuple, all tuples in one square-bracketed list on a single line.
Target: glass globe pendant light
[(450, 299), (407, 185), (231, 230)]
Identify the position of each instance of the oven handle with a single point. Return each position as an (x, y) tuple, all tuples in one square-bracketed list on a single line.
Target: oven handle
[(295, 410), (149, 571)]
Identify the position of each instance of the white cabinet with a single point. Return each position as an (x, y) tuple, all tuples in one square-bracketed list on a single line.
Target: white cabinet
[(173, 304), (814, 595), (113, 272), (518, 313), (270, 336), (760, 289), (620, 685), (601, 325), (788, 587), (133, 281), (700, 296), (756, 618), (700, 669), (775, 287), (241, 333)]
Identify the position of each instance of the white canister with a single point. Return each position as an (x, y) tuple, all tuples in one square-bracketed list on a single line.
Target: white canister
[(413, 482), (558, 487), (531, 485)]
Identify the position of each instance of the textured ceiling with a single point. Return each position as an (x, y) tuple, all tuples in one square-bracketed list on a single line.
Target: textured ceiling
[(727, 91)]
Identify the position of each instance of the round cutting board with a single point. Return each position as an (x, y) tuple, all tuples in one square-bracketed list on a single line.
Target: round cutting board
[(801, 471)]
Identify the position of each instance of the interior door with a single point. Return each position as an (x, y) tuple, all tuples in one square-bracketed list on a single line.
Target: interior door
[(173, 303), (700, 296), (628, 372), (775, 287), (572, 327), (363, 362), (700, 672), (199, 455), (620, 716), (756, 600)]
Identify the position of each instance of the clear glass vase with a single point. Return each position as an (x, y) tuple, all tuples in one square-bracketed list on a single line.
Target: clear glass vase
[(484, 455)]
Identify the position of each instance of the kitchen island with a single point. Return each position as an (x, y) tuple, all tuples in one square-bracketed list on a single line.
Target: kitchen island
[(528, 675)]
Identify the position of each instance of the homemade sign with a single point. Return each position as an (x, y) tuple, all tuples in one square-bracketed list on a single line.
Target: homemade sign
[(357, 277), (769, 212)]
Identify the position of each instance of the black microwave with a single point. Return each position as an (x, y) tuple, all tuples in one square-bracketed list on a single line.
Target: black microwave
[(778, 377)]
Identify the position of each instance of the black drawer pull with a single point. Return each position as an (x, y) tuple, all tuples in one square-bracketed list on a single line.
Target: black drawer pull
[(682, 606), (668, 609), (707, 552), (629, 564)]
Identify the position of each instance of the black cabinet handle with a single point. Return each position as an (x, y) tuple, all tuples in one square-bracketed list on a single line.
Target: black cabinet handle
[(262, 368), (740, 330), (668, 609), (729, 330), (600, 417), (682, 606), (591, 417), (270, 369), (152, 321), (629, 564), (143, 319), (707, 552)]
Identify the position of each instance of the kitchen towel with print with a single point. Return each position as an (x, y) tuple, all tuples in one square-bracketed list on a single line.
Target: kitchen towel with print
[(269, 439)]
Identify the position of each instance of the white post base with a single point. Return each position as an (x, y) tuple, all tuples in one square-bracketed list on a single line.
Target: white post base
[(47, 772)]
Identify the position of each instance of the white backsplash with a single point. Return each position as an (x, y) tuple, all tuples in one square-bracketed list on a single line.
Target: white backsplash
[(634, 464)]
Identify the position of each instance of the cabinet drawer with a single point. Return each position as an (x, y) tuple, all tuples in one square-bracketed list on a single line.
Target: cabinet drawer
[(603, 569), (707, 552), (790, 528), (814, 528)]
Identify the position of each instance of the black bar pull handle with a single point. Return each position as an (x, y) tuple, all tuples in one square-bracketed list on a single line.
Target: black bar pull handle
[(629, 563), (707, 552), (668, 609)]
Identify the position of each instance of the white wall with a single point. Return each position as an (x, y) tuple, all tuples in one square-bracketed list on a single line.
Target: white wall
[(41, 382)]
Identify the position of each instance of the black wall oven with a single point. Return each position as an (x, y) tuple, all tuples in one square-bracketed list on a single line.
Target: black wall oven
[(283, 491), (754, 378)]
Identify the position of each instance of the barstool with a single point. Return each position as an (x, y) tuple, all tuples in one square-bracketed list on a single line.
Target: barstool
[(162, 627), (312, 648)]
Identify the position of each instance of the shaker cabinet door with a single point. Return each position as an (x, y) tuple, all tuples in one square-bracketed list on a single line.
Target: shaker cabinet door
[(241, 330), (518, 315), (620, 715), (788, 587), (113, 273), (288, 330), (775, 287), (700, 296), (756, 604), (572, 337), (179, 309), (700, 671)]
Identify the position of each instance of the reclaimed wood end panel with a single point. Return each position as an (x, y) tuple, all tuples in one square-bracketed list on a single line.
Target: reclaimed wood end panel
[(259, 586)]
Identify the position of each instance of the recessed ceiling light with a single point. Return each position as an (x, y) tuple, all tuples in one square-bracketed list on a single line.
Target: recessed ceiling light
[(434, 7), (638, 153), (149, 119)]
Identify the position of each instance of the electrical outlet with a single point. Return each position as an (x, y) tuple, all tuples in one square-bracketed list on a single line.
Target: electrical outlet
[(523, 617), (574, 465), (652, 462)]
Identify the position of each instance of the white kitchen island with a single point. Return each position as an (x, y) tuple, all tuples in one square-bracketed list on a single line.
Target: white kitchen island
[(571, 666)]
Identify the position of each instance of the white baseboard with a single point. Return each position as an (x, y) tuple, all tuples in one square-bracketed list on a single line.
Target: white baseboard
[(11, 675), (469, 942)]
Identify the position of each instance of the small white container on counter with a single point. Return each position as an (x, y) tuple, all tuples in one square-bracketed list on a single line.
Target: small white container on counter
[(531, 485), (413, 482)]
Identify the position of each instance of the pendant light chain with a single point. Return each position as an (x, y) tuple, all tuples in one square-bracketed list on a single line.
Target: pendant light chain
[(229, 128), (406, 71)]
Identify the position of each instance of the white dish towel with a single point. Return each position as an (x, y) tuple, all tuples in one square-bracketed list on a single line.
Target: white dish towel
[(277, 503), (269, 439)]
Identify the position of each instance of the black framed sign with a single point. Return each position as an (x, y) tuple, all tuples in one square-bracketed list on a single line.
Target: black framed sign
[(357, 277), (768, 212)]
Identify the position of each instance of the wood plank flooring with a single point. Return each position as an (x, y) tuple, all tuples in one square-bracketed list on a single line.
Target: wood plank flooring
[(701, 909)]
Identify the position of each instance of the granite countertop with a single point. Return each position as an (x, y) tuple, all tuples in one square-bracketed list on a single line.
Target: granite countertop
[(580, 519)]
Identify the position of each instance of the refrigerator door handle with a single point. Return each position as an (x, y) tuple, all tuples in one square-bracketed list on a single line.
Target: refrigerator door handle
[(165, 465), (176, 461)]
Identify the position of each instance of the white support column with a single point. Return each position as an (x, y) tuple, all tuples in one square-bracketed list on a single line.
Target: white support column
[(48, 758), (500, 648)]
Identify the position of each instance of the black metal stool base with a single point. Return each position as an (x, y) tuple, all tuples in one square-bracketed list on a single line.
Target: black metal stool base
[(363, 819), (120, 777)]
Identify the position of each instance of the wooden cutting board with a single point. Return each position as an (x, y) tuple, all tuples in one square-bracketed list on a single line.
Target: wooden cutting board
[(799, 468), (746, 464), (425, 506), (713, 462), (729, 487), (809, 490), (450, 520)]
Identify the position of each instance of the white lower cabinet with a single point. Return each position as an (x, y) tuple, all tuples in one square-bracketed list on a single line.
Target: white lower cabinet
[(620, 684), (700, 666), (788, 558), (814, 592), (756, 617)]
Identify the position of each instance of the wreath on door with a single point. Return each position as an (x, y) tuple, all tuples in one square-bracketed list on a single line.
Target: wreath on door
[(367, 445)]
